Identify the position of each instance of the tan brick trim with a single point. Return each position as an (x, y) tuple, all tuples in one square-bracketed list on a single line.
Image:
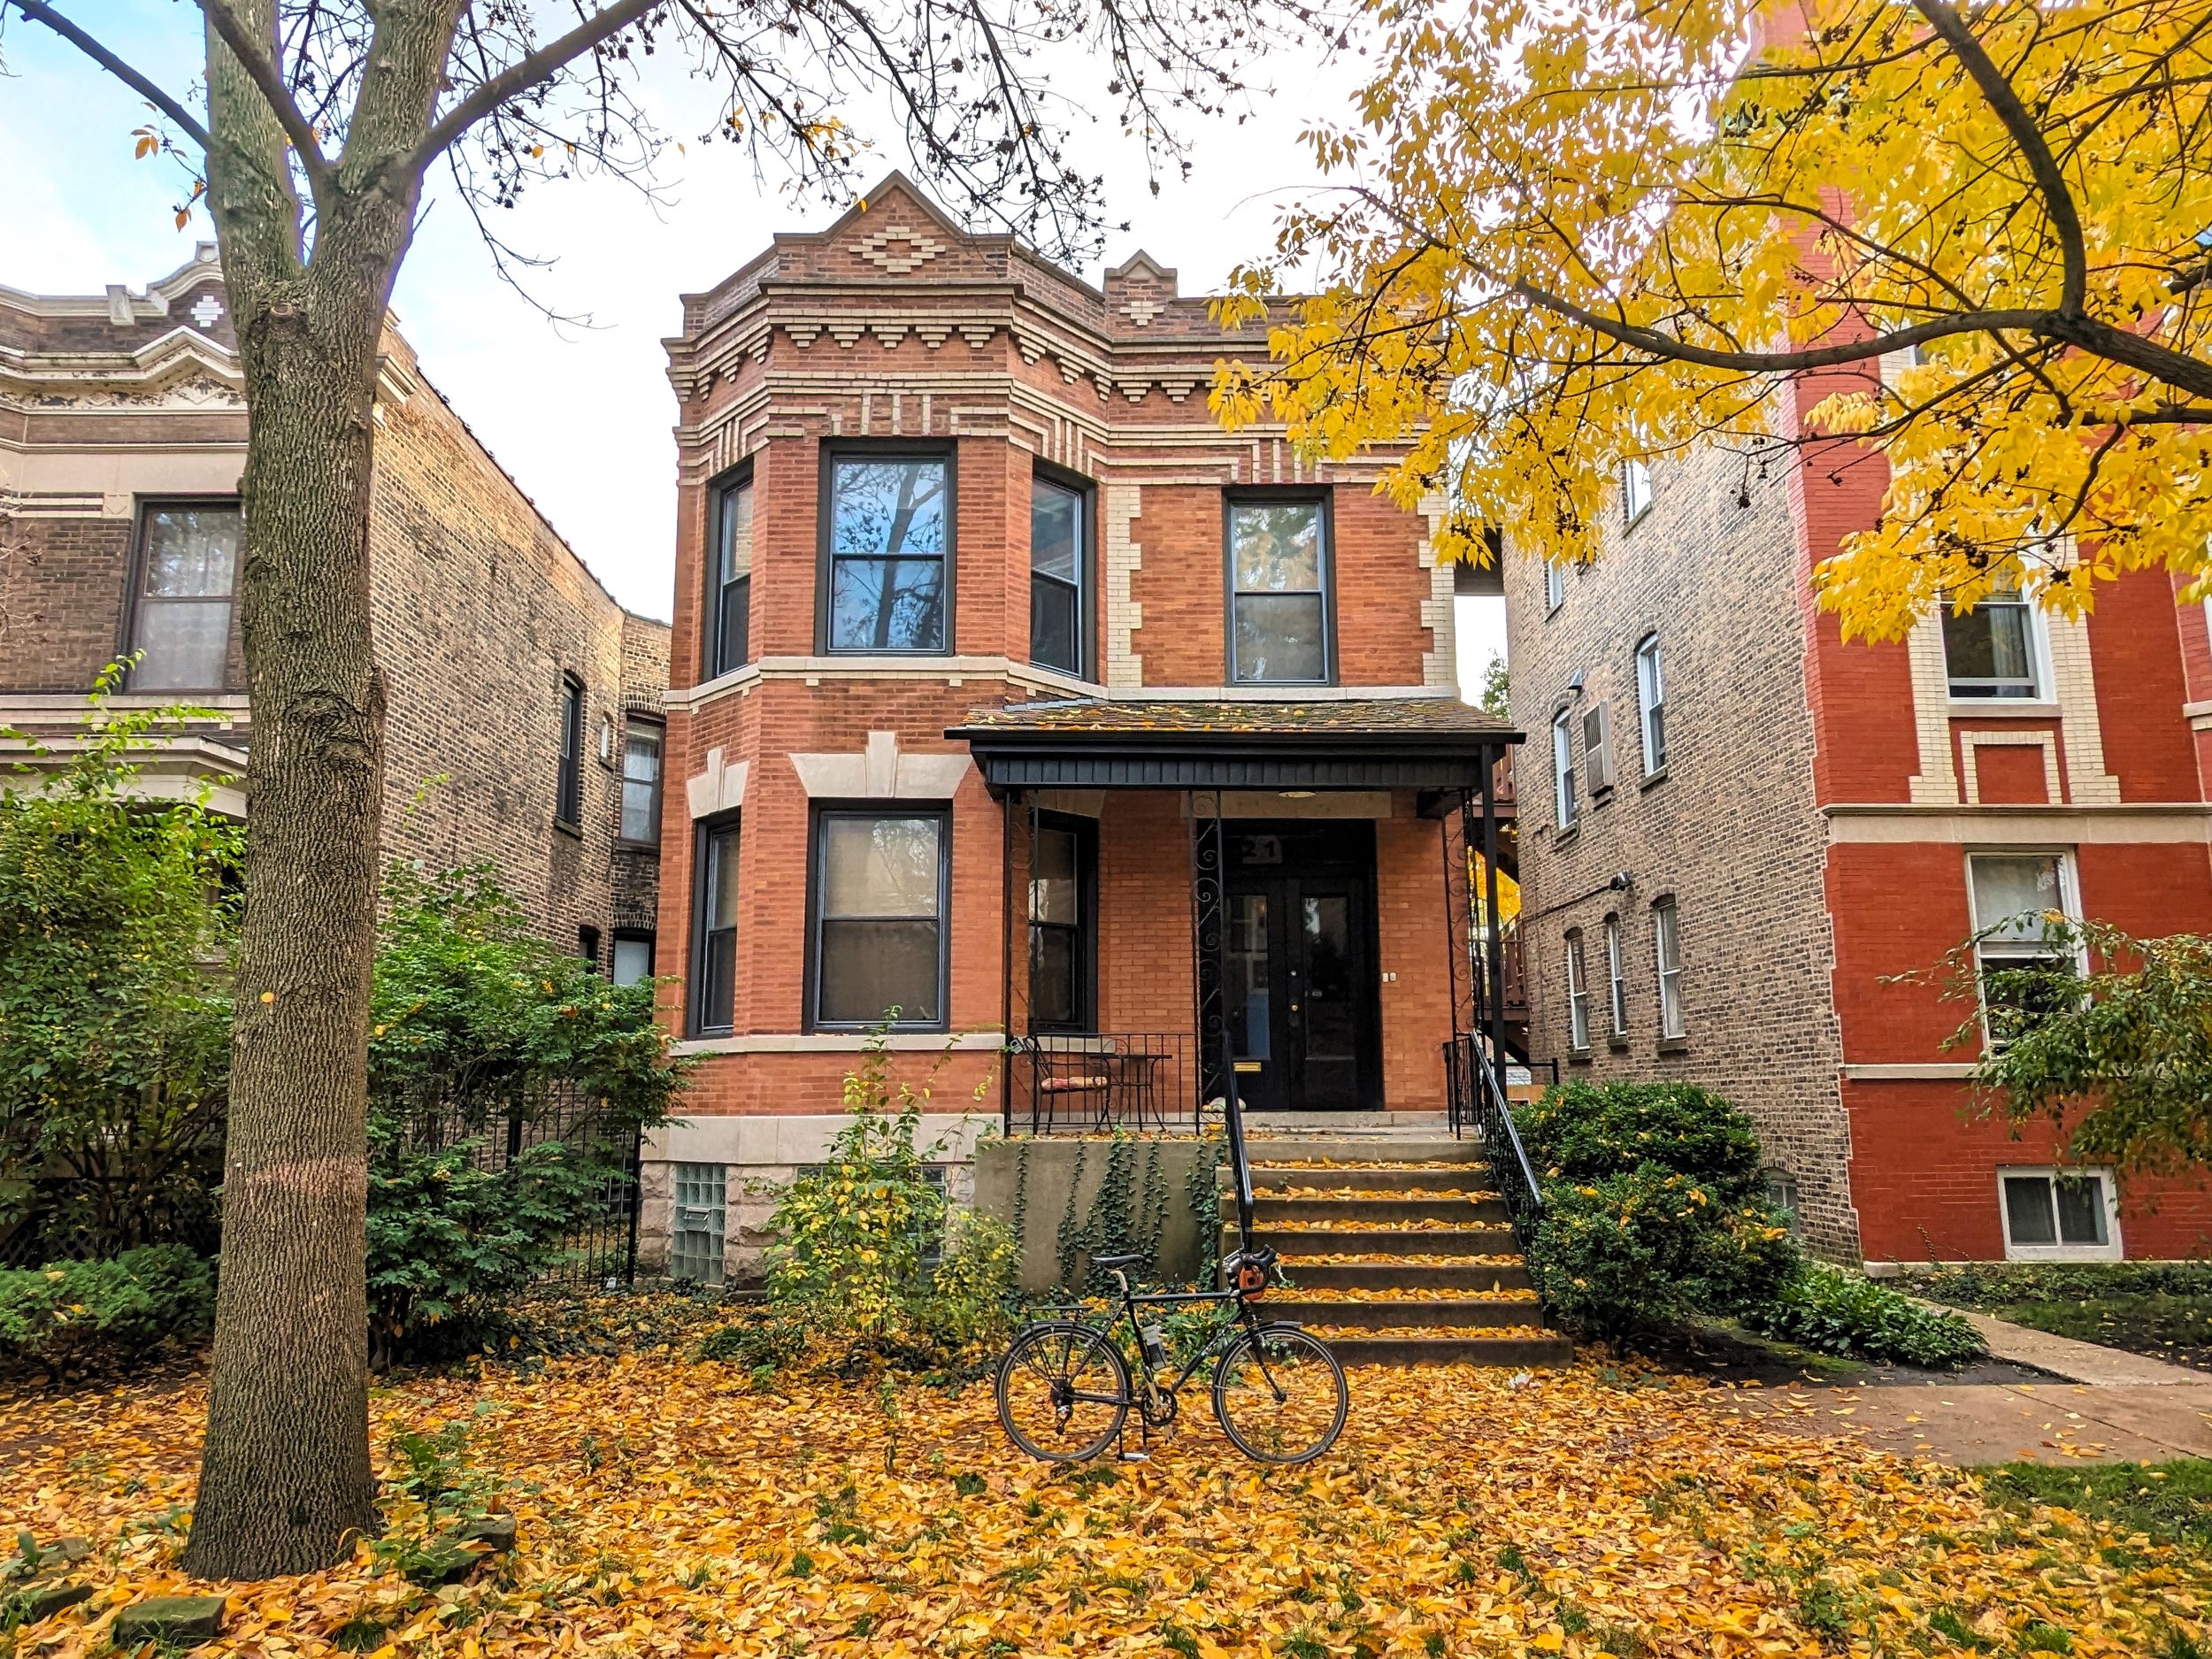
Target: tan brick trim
[(1119, 508), (1972, 742), (2178, 823)]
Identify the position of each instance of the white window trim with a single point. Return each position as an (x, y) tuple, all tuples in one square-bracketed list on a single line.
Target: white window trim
[(2044, 700), (1645, 704), (1577, 993), (2069, 902), (1565, 808), (1673, 908), (1554, 587), (1631, 511), (2113, 1250), (1616, 980)]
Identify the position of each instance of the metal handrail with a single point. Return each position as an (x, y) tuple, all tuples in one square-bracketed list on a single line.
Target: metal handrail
[(1475, 1094), (1232, 1120)]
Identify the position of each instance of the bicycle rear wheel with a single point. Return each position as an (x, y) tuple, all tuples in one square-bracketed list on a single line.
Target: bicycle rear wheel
[(1280, 1395), (1063, 1392)]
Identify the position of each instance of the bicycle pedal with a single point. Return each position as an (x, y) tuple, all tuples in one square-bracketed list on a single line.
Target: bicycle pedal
[(1136, 1457)]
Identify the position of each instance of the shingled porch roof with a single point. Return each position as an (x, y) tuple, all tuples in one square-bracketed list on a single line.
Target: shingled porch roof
[(1176, 743)]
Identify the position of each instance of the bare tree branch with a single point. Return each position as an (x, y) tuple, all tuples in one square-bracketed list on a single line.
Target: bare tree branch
[(39, 11)]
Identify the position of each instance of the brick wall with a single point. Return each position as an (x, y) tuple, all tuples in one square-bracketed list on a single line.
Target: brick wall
[(1731, 833)]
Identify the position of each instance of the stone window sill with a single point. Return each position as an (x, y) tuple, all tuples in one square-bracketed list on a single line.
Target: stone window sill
[(1618, 1045), (1578, 1057), (561, 826), (1653, 779), (1674, 1045)]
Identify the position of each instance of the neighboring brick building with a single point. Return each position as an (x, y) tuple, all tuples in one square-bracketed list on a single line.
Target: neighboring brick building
[(1805, 820), (122, 434), (969, 588)]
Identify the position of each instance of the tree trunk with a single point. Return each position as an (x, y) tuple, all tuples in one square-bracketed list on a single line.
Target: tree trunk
[(285, 1480)]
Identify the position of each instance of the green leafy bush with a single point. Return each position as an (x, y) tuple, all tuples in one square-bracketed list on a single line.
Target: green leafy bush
[(1838, 1312), (856, 1237), (1654, 1207), (116, 921), (70, 1315)]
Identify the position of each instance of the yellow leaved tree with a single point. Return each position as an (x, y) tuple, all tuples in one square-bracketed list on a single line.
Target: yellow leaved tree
[(1974, 243)]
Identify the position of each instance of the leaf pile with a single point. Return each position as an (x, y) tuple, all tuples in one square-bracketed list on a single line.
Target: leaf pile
[(668, 1507)]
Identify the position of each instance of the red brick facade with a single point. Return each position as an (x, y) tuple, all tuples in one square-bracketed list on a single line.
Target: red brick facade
[(1802, 924), (112, 406), (893, 328)]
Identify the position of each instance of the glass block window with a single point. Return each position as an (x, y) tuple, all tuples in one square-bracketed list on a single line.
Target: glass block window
[(694, 1249)]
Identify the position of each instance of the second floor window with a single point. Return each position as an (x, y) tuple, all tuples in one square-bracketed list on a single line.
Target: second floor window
[(1651, 705), (568, 795), (186, 592), (2027, 960), (1597, 748), (1057, 575), (1554, 585), (730, 580), (1989, 651), (1563, 768), (641, 783), (1279, 591), (1635, 490), (889, 554)]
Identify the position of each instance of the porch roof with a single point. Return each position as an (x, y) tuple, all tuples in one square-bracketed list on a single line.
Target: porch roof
[(1154, 743)]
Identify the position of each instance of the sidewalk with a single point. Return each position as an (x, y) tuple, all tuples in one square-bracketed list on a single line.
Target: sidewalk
[(2102, 1405)]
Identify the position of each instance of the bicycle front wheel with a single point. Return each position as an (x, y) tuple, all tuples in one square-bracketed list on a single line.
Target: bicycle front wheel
[(1063, 1393), (1280, 1395)]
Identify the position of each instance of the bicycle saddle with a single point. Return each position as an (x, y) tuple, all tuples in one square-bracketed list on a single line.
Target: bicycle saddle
[(1109, 1263)]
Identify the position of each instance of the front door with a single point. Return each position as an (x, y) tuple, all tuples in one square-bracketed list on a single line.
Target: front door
[(1298, 965)]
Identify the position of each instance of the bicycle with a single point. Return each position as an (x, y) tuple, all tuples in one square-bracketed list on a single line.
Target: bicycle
[(1064, 1391)]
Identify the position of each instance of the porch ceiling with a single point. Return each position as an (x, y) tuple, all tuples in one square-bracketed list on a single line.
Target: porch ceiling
[(1351, 743)]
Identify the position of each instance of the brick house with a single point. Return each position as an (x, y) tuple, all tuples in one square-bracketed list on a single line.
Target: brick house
[(1739, 831), (520, 694), (1009, 693)]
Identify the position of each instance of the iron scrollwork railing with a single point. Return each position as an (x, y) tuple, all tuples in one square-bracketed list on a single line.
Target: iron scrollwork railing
[(1478, 1100)]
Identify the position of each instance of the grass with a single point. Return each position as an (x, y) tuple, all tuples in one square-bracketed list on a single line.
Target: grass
[(2170, 1503), (2162, 1309)]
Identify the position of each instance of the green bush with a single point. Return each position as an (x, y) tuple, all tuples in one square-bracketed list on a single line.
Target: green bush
[(970, 1297), (70, 1315), (1839, 1312), (1646, 1248), (1654, 1207)]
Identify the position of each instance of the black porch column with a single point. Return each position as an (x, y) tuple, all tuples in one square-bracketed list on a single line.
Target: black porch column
[(1209, 1009), (1494, 943)]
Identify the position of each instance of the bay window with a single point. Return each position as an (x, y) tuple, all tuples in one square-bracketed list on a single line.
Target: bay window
[(880, 897), (888, 552)]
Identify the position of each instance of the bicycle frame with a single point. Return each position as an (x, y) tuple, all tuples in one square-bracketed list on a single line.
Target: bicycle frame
[(1248, 1318)]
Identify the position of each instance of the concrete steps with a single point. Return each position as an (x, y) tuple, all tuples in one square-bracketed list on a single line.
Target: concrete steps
[(1394, 1249)]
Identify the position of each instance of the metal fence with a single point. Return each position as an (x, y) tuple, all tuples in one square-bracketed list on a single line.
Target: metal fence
[(1105, 1080)]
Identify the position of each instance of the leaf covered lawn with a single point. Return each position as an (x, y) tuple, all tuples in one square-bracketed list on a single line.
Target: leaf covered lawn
[(669, 1507)]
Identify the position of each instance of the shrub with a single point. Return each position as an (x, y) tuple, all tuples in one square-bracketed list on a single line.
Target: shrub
[(1653, 1207), (1647, 1248), (854, 1236), (1839, 1312), (75, 1314)]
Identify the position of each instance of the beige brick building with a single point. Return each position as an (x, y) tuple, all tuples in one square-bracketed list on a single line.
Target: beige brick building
[(518, 689)]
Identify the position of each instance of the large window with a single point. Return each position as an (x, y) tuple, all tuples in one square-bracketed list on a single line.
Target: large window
[(887, 526), (2027, 964), (2059, 1215), (1616, 982), (1059, 565), (881, 882), (1062, 933), (1991, 651), (1279, 591), (1651, 705), (1578, 994), (730, 580), (1666, 926), (188, 585), (641, 782), (714, 931), (568, 795), (1563, 770)]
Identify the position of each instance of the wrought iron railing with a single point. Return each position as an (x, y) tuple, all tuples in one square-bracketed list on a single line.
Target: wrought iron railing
[(1476, 1100), (1090, 1082)]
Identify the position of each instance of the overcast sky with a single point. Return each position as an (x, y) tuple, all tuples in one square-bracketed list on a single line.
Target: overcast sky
[(582, 417)]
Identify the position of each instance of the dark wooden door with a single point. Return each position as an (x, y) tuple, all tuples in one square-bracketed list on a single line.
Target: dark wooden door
[(1300, 971)]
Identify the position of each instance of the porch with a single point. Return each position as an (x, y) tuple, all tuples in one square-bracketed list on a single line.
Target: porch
[(1292, 899)]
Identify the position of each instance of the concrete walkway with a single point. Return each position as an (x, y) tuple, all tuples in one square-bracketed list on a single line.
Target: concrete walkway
[(2103, 1406)]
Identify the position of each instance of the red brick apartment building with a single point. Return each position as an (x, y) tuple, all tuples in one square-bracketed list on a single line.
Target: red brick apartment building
[(1010, 693), (525, 724), (1752, 829)]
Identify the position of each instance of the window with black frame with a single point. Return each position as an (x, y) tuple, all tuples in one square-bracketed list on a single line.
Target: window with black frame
[(888, 528), (879, 897), (1279, 591), (714, 965), (181, 618), (730, 580), (1062, 889), (641, 783), (568, 796), (1058, 561)]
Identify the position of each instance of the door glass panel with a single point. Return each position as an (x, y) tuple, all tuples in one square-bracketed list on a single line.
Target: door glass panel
[(1328, 1000), (1248, 984), (1052, 889)]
